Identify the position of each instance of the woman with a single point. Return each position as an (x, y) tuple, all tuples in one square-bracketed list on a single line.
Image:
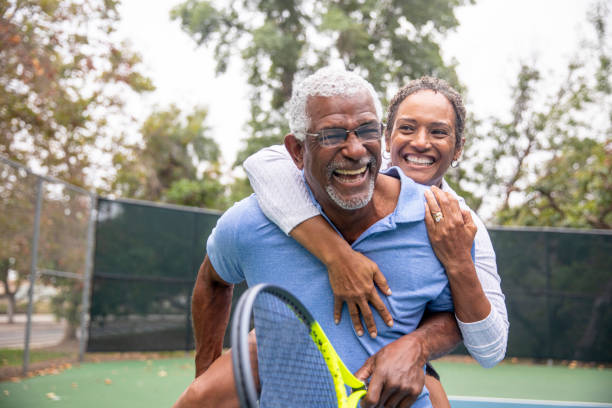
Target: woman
[(424, 136)]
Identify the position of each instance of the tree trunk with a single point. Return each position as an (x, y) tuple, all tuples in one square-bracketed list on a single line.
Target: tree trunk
[(10, 310), (70, 331)]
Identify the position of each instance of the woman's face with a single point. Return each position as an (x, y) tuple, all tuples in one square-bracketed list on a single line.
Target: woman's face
[(423, 138)]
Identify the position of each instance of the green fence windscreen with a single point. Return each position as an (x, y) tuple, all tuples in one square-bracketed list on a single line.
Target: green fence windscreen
[(558, 284), (146, 261), (558, 288)]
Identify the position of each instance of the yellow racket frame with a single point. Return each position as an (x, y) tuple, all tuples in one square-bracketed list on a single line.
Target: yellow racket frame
[(340, 374)]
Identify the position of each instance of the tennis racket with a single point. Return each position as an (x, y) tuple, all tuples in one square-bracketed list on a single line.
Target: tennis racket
[(298, 367)]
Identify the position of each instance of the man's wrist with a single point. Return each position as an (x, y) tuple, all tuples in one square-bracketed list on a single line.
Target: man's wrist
[(417, 342)]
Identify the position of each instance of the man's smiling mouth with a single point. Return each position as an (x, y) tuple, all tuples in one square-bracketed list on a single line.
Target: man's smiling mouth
[(350, 175)]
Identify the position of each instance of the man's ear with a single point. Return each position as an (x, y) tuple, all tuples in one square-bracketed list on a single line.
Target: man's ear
[(295, 147)]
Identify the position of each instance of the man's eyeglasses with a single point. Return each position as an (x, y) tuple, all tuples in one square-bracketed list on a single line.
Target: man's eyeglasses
[(336, 136)]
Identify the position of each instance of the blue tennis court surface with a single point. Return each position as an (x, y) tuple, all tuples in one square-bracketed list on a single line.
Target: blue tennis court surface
[(480, 402)]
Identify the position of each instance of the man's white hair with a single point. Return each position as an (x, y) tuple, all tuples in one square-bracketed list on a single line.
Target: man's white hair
[(328, 81)]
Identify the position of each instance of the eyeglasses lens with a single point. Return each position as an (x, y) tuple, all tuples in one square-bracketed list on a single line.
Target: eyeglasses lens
[(336, 136)]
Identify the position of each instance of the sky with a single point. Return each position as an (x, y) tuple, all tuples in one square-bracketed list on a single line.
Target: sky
[(493, 38)]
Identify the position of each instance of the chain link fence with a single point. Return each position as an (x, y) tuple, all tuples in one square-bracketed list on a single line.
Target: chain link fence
[(47, 232)]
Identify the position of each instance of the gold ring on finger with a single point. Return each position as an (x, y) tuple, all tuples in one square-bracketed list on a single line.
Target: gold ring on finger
[(437, 216)]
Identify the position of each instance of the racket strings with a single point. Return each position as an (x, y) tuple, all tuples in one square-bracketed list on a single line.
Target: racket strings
[(292, 370)]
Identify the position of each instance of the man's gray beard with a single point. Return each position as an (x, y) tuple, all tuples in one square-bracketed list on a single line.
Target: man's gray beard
[(354, 203)]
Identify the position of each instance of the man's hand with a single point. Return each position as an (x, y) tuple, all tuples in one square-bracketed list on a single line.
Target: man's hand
[(352, 277), (396, 374)]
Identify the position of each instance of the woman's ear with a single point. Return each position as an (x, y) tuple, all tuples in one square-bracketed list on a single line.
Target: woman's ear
[(459, 150), (295, 147)]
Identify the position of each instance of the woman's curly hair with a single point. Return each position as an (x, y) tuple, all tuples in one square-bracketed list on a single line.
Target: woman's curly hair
[(436, 85)]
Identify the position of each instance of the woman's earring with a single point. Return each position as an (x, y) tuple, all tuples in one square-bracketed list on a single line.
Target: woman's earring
[(455, 164)]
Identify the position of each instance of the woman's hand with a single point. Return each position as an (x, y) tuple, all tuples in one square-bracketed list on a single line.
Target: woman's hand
[(453, 234), (353, 277)]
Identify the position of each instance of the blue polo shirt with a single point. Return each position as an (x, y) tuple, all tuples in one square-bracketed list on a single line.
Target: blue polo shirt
[(245, 245)]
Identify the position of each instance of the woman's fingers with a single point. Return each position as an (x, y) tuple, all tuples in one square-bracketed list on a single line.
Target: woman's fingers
[(381, 282), (354, 313), (337, 309), (432, 203), (447, 204)]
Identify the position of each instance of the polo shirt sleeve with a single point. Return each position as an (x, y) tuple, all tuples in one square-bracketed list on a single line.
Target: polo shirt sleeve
[(223, 247), (442, 303)]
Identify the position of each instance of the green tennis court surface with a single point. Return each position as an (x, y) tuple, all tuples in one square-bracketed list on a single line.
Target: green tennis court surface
[(157, 383)]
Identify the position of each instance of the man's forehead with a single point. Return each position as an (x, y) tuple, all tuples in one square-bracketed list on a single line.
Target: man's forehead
[(358, 103)]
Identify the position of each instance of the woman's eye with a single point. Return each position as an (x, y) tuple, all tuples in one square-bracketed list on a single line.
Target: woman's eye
[(406, 129), (440, 132)]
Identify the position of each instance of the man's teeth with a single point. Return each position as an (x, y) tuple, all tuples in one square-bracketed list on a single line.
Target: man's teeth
[(346, 172), (419, 160)]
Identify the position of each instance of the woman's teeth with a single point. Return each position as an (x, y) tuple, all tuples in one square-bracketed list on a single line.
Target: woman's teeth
[(419, 160)]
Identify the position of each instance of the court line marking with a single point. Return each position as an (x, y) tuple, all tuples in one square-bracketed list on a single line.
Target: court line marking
[(530, 401)]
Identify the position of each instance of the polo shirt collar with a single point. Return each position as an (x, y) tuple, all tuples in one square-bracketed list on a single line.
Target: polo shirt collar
[(411, 203)]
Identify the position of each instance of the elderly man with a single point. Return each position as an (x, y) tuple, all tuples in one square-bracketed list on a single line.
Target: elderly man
[(335, 120)]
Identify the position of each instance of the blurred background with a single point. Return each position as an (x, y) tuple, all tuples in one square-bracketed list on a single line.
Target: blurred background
[(124, 125)]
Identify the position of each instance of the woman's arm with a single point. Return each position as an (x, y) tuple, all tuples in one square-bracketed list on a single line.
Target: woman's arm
[(487, 338), (280, 188), (481, 316), (283, 197)]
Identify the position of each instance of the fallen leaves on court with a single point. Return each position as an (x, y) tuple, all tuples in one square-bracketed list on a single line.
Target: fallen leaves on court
[(53, 396)]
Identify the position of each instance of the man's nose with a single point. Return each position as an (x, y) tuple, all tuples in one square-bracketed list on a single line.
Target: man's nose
[(353, 147)]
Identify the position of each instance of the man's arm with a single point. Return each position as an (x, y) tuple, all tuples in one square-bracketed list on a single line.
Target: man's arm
[(396, 371), (210, 311)]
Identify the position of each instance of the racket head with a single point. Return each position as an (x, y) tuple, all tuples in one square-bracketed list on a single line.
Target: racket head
[(292, 369), (241, 360)]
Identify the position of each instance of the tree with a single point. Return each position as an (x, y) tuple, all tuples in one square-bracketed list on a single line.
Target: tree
[(61, 77), (388, 42), (550, 163), (178, 162)]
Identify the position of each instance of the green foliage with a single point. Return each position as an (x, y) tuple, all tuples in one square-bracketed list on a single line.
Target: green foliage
[(207, 192), (574, 190), (550, 163), (178, 162), (388, 42), (61, 77)]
